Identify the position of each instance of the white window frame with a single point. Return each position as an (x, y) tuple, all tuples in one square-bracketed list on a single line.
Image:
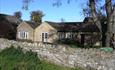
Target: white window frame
[(23, 35), (44, 37)]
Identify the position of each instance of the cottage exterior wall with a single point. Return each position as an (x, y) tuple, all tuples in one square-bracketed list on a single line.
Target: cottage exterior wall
[(46, 28), (27, 28)]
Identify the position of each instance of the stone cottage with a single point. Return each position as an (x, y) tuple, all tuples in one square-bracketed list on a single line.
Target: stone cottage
[(53, 32), (25, 31)]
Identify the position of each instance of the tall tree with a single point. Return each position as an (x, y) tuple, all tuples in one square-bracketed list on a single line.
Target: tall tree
[(36, 16), (18, 14), (109, 12), (99, 16), (108, 6)]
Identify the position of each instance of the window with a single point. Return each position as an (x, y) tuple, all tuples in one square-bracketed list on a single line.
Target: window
[(23, 35), (65, 35), (68, 35), (44, 37), (61, 35)]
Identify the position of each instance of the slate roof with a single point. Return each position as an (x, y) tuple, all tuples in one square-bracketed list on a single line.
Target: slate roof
[(88, 19), (85, 26), (32, 24), (74, 26), (65, 26), (88, 27)]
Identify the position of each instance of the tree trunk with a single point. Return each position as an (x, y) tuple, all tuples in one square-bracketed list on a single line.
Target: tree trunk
[(113, 19), (95, 17), (94, 14), (109, 23)]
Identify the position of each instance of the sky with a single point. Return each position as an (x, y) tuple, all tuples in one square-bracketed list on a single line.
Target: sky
[(69, 12)]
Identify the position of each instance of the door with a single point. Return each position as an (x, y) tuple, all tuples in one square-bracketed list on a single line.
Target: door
[(44, 37), (82, 39)]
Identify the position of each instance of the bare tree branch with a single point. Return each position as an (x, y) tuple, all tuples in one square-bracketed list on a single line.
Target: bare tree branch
[(94, 14)]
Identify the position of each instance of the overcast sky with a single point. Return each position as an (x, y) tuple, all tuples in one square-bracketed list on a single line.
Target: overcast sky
[(70, 12)]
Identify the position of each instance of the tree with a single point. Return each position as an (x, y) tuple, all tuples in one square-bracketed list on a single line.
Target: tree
[(18, 14), (109, 13), (26, 4), (36, 16)]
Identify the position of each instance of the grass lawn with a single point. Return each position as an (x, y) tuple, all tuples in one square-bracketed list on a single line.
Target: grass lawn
[(15, 59)]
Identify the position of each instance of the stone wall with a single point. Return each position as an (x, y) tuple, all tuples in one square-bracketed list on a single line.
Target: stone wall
[(64, 55)]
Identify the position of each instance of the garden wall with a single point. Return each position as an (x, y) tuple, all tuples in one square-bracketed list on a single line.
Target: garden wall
[(64, 55)]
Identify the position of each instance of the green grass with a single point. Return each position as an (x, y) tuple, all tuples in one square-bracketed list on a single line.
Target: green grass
[(15, 59)]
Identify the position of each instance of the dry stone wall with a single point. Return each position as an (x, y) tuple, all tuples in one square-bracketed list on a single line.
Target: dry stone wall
[(64, 55)]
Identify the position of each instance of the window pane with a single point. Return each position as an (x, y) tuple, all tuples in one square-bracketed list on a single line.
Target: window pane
[(42, 35), (18, 34), (46, 35), (23, 35), (27, 35)]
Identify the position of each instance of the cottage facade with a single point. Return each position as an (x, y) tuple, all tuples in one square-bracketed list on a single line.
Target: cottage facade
[(45, 33), (53, 32), (25, 32)]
